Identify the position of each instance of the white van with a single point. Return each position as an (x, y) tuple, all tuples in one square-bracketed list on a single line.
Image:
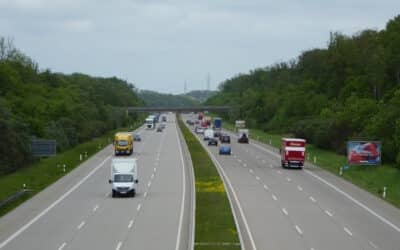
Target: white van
[(208, 134), (124, 176)]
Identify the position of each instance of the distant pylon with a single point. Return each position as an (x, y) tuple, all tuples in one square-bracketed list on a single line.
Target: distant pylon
[(185, 88), (208, 81)]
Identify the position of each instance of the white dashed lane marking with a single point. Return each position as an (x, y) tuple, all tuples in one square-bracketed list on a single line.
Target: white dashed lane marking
[(266, 187), (62, 246), (285, 211), (299, 188), (312, 199), (138, 207), (81, 225), (95, 208), (348, 231), (299, 230), (119, 246), (130, 224), (274, 197), (257, 178), (328, 213)]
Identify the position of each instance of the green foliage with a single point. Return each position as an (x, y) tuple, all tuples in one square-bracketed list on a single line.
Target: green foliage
[(350, 90), (69, 108), (214, 219), (155, 99)]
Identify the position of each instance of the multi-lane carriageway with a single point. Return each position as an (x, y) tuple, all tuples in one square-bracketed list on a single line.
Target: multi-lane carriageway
[(78, 212), (301, 209), (275, 208)]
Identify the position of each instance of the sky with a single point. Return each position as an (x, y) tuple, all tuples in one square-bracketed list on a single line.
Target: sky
[(161, 44)]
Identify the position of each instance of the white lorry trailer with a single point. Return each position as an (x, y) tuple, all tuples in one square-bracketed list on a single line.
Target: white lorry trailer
[(124, 176)]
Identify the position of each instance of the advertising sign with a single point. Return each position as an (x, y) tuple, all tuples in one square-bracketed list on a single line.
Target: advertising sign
[(43, 148), (364, 153)]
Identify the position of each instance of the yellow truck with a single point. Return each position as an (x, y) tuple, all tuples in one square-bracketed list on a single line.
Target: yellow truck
[(123, 143)]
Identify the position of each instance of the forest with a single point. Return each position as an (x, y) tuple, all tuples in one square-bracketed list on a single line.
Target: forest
[(349, 90), (43, 104)]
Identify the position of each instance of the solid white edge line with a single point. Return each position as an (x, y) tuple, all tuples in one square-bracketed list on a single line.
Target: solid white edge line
[(222, 172), (62, 246), (55, 203), (362, 205), (355, 201), (178, 237)]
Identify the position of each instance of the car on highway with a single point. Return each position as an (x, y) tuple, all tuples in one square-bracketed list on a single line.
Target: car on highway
[(136, 137), (224, 138), (124, 176), (159, 129), (212, 142), (199, 130), (224, 150), (208, 134)]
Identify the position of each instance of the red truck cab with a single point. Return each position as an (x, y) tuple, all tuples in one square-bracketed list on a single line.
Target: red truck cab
[(293, 152)]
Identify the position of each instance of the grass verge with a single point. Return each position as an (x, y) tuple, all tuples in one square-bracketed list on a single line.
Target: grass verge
[(214, 219), (46, 171), (370, 178)]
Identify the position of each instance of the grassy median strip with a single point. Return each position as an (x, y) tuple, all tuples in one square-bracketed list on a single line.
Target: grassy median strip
[(215, 226), (40, 175), (371, 178)]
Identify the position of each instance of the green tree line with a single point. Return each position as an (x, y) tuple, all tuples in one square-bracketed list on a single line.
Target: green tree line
[(349, 90), (43, 104), (156, 99)]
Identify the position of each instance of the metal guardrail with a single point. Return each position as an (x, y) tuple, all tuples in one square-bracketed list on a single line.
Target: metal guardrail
[(13, 197)]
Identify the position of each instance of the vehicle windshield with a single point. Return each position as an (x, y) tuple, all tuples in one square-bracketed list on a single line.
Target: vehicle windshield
[(149, 122), (123, 178), (122, 143)]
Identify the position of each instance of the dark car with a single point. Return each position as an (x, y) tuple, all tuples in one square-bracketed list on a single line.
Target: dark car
[(159, 129), (137, 137), (225, 139), (243, 139), (212, 141), (217, 133), (224, 150)]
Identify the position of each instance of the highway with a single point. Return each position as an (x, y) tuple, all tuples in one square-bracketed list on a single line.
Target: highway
[(78, 212), (301, 209)]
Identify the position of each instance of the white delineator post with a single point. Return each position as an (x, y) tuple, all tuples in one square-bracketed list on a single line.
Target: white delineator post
[(384, 193)]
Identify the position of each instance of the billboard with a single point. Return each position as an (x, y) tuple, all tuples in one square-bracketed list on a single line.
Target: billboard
[(364, 153), (43, 148)]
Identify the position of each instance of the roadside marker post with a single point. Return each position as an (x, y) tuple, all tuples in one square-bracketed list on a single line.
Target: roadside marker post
[(384, 193), (341, 171), (315, 159), (80, 157)]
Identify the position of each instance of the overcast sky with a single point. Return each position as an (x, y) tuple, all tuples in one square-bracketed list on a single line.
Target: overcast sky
[(160, 44)]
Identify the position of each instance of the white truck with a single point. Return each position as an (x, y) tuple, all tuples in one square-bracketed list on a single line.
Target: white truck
[(208, 134), (124, 176), (150, 123)]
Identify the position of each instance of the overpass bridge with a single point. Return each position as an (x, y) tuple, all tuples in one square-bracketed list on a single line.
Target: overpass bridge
[(179, 109)]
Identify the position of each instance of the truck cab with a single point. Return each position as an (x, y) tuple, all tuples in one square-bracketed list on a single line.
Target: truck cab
[(124, 176), (123, 143), (293, 152), (149, 123)]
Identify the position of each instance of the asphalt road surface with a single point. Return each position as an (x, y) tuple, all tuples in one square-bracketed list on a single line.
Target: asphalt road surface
[(78, 212), (301, 209)]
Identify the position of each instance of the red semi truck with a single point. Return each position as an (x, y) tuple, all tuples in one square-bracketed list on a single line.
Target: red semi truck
[(293, 152)]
